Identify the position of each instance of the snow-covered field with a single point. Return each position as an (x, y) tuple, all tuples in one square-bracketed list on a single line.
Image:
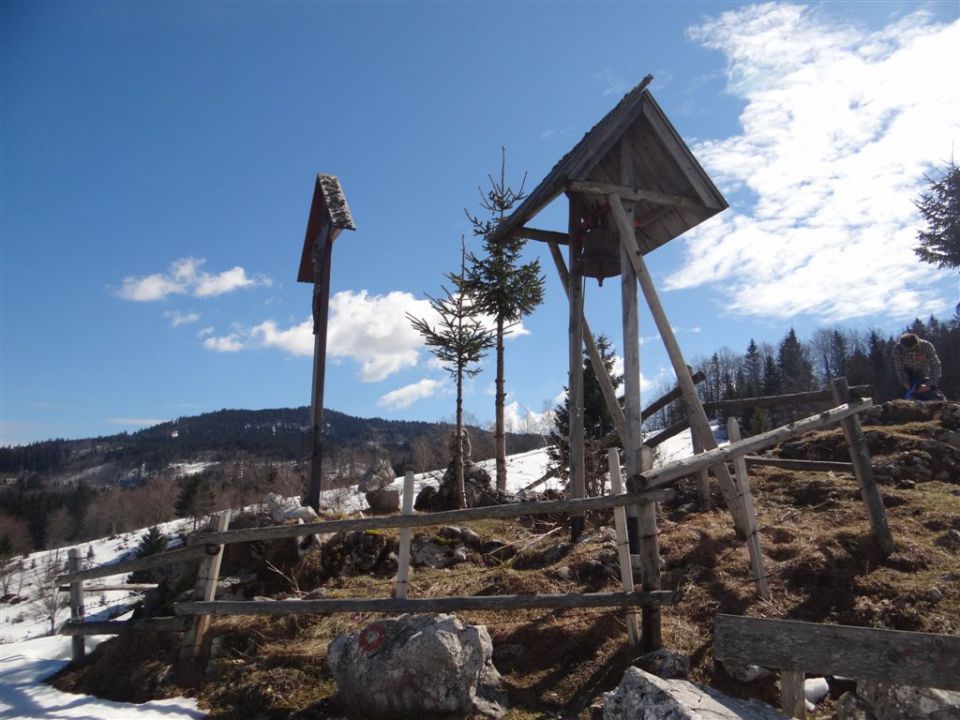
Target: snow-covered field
[(29, 654)]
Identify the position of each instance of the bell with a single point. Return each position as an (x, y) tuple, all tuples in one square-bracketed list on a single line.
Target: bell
[(600, 257)]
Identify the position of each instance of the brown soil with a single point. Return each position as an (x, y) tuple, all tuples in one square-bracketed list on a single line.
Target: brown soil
[(822, 564)]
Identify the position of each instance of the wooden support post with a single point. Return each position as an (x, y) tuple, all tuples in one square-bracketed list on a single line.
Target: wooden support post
[(698, 418), (863, 469), (623, 544), (791, 693), (403, 553), (322, 258), (576, 439), (630, 324), (596, 362), (77, 611), (649, 562), (703, 476), (205, 589), (748, 512)]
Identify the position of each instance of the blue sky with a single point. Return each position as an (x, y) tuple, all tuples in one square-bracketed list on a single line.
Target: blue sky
[(158, 161)]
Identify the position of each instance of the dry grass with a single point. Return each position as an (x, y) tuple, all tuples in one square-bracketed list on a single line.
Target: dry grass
[(822, 567)]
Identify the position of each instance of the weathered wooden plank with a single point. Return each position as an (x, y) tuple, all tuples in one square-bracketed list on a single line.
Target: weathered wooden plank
[(702, 479), (419, 605), (403, 552), (547, 236), (117, 627), (650, 580), (748, 512), (714, 458), (205, 590), (699, 424), (792, 464), (635, 194), (448, 517), (596, 362), (119, 587), (128, 566), (791, 694), (682, 156), (814, 397), (894, 656), (575, 435), (863, 469), (623, 544), (322, 260)]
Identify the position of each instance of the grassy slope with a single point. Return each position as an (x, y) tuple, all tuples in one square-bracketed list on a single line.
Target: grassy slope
[(815, 537)]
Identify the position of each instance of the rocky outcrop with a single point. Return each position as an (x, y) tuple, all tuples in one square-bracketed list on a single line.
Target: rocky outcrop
[(886, 701), (642, 695), (476, 485), (417, 665)]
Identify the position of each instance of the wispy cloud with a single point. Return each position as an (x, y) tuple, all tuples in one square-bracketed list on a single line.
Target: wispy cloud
[(178, 318), (203, 332), (612, 81), (839, 127), (185, 277), (409, 394)]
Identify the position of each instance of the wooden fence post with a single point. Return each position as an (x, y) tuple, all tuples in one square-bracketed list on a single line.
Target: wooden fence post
[(623, 544), (863, 469), (703, 477), (205, 588), (649, 562), (77, 610), (748, 512), (791, 693), (403, 556)]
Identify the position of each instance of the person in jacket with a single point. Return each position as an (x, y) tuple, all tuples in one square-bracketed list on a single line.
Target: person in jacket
[(917, 367)]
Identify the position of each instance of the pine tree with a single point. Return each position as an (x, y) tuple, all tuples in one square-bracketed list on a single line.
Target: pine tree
[(796, 372), (940, 209), (503, 287), (459, 341), (152, 542), (597, 423)]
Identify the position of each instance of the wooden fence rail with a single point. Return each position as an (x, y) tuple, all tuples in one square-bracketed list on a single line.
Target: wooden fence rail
[(605, 502), (118, 627), (128, 566), (791, 646), (415, 605), (688, 466)]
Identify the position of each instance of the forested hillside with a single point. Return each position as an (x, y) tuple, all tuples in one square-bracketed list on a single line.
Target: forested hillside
[(57, 491)]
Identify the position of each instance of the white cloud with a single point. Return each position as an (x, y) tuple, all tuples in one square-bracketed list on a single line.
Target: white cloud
[(295, 340), (409, 394), (178, 318), (839, 127), (203, 332), (372, 330), (226, 343), (227, 281), (518, 419), (185, 276)]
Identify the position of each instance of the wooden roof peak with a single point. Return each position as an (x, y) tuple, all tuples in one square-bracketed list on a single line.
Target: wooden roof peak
[(664, 170), (328, 209)]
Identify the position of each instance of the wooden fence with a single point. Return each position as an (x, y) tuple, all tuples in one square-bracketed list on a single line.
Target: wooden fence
[(208, 547), (793, 647)]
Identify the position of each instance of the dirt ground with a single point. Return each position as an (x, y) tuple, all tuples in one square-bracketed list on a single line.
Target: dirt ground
[(820, 558)]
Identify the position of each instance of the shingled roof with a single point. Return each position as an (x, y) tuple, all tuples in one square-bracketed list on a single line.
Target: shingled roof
[(662, 163), (329, 205)]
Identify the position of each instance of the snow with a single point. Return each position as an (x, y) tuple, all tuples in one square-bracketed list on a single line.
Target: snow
[(28, 655)]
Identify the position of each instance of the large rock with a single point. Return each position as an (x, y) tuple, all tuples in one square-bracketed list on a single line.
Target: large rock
[(415, 665), (379, 475), (905, 702), (383, 500), (642, 696)]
